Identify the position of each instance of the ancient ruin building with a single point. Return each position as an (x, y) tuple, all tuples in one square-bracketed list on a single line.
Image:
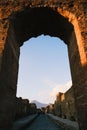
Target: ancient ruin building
[(65, 104), (22, 108), (21, 20), (33, 108), (69, 104), (58, 104)]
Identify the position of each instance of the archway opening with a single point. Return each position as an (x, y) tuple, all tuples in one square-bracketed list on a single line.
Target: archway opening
[(43, 69)]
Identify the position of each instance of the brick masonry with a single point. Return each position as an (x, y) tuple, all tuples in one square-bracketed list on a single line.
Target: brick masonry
[(21, 20)]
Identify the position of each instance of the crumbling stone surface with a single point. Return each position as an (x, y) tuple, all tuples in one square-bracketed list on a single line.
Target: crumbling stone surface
[(21, 20)]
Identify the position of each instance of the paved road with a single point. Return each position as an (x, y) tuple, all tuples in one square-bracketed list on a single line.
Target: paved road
[(43, 123), (19, 124)]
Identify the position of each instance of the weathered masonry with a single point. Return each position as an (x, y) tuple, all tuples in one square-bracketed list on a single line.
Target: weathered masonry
[(21, 20)]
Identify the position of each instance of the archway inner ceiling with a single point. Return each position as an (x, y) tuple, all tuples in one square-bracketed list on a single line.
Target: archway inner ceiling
[(36, 21)]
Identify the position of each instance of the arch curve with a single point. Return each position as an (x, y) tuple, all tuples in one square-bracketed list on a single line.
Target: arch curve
[(43, 20), (21, 20)]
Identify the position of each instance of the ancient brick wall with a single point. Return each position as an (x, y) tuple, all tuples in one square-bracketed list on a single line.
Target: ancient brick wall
[(70, 104), (57, 104), (22, 108), (65, 104), (68, 21), (8, 80)]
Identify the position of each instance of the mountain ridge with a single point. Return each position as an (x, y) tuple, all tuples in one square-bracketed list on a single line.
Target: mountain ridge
[(39, 104)]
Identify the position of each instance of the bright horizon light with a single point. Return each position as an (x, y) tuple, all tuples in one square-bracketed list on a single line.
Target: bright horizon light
[(43, 69)]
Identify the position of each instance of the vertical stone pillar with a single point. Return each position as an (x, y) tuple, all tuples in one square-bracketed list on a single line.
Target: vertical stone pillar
[(78, 62), (3, 34), (8, 79), (81, 83)]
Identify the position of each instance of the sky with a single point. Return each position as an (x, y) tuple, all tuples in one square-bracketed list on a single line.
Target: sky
[(43, 69)]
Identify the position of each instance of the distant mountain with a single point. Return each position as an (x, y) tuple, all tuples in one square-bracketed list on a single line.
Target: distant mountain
[(39, 104)]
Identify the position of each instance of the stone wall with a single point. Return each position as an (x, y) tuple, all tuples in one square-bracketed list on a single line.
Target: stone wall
[(33, 108), (70, 104), (57, 104), (65, 105), (65, 19), (8, 80), (22, 108)]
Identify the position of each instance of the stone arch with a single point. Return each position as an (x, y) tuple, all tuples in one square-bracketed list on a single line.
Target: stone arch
[(23, 20)]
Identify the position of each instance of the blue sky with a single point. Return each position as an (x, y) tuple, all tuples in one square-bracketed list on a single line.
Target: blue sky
[(43, 69)]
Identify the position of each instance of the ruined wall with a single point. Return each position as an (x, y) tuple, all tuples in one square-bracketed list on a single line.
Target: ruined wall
[(57, 105), (65, 105), (70, 104), (22, 108), (8, 80), (9, 57), (12, 36)]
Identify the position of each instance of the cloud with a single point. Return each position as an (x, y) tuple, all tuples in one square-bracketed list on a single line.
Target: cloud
[(50, 93), (60, 88), (67, 86), (55, 90)]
